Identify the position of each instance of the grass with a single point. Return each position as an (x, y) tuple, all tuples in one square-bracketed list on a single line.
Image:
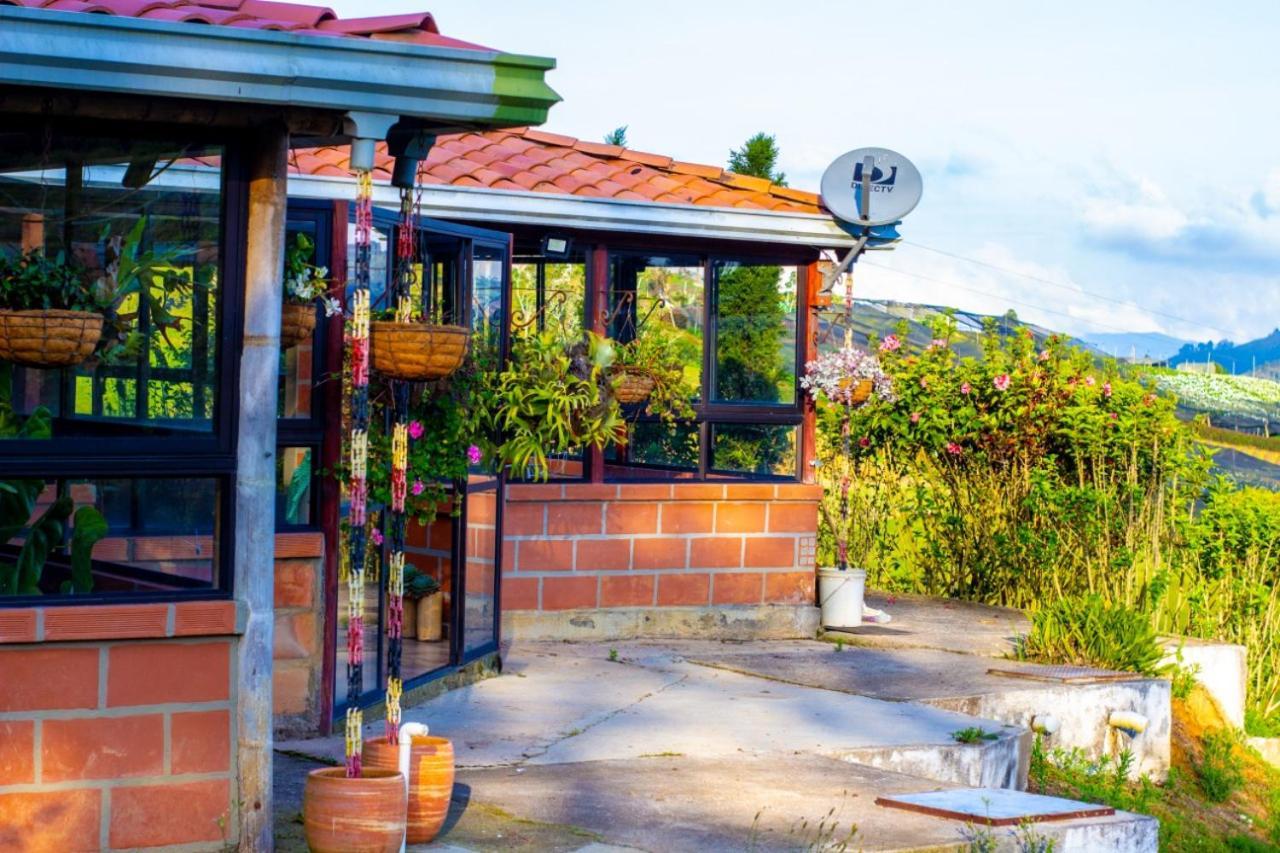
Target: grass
[(973, 734), (1259, 726)]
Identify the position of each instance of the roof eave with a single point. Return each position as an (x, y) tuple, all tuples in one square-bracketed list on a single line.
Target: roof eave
[(481, 204), (443, 86)]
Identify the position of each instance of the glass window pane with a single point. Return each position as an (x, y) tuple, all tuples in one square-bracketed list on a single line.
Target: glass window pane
[(139, 535), (654, 443), (754, 449), (486, 293), (131, 227), (755, 347), (480, 570), (297, 361), (660, 298), (427, 616), (295, 468), (378, 260)]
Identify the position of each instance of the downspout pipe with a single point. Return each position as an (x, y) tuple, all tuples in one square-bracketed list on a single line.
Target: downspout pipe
[(408, 731)]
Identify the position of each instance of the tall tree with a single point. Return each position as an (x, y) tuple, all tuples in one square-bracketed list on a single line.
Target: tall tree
[(758, 156), (617, 136)]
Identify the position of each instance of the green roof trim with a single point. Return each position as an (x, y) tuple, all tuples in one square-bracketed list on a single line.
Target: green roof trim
[(447, 86)]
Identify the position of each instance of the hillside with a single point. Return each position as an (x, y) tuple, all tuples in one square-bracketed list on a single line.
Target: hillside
[(1153, 345), (1264, 353)]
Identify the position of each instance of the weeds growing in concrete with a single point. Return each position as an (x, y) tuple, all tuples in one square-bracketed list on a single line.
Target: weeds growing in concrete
[(973, 734)]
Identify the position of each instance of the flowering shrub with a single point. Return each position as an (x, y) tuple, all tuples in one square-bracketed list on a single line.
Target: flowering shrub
[(834, 376)]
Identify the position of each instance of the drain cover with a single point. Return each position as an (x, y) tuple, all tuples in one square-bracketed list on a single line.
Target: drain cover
[(1063, 674), (993, 806)]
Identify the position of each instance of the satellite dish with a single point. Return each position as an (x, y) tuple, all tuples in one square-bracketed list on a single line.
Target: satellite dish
[(895, 186)]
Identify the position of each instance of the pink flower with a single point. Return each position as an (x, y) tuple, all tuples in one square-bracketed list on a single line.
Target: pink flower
[(1002, 382), (890, 343), (419, 487), (924, 382), (1106, 389), (954, 449), (937, 343), (376, 535), (915, 417), (1044, 355), (1115, 416), (474, 455), (864, 442), (965, 387), (416, 430), (1090, 381)]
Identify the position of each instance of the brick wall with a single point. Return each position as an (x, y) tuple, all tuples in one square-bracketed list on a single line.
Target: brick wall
[(299, 638), (122, 741), (574, 546)]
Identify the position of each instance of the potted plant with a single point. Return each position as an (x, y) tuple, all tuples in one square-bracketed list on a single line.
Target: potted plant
[(405, 345), (647, 371), (305, 284), (51, 316), (847, 380), (425, 601)]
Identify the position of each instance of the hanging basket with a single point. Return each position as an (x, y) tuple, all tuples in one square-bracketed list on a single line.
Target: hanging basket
[(48, 338), (297, 324), (860, 390), (417, 352), (631, 384)]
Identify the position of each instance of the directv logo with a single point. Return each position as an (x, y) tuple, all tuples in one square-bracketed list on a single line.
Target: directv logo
[(880, 183)]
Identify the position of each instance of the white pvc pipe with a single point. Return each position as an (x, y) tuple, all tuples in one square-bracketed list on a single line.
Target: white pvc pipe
[(408, 731)]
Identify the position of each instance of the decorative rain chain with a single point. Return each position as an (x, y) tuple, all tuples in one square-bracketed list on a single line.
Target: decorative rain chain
[(358, 487), (399, 472)]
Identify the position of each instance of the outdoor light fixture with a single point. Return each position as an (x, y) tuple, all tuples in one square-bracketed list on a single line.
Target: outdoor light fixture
[(556, 247)]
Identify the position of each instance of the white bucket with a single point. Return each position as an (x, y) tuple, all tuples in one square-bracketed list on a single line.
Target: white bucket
[(840, 596)]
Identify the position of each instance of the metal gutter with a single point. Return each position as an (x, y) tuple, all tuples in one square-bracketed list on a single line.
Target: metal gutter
[(480, 204), (106, 53)]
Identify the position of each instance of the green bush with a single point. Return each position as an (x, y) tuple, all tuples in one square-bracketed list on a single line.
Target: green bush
[(1219, 770), (1086, 631)]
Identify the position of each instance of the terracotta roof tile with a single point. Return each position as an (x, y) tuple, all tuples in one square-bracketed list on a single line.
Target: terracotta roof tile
[(527, 159), (416, 28)]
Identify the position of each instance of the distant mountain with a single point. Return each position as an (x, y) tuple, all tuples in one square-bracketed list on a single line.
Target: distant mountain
[(1141, 344), (1261, 353)]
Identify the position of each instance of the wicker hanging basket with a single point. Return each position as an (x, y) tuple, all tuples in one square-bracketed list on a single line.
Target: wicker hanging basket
[(417, 352), (861, 390), (48, 338), (297, 324), (631, 384)]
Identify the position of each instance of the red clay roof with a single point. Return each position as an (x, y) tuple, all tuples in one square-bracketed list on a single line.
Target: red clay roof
[(415, 28), (525, 159)]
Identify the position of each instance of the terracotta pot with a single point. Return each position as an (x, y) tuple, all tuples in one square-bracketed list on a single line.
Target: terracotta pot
[(431, 617), (430, 781), (361, 815), (48, 338), (297, 323), (409, 624)]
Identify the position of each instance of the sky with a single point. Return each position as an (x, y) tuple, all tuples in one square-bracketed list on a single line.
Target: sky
[(1096, 166)]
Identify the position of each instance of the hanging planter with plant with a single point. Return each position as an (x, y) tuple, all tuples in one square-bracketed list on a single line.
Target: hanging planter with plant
[(305, 284), (647, 371), (50, 315), (414, 351)]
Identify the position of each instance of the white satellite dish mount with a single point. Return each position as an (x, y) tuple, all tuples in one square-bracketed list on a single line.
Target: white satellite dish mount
[(869, 190)]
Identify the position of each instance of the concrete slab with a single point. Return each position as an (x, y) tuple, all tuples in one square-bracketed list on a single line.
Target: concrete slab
[(993, 806), (921, 622)]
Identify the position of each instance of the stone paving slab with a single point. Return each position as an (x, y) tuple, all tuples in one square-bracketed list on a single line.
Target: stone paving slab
[(938, 623)]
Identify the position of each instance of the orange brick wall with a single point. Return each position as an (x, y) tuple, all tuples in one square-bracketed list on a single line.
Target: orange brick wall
[(575, 546), (118, 744), (299, 638)]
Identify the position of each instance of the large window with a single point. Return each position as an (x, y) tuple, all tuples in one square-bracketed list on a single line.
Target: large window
[(115, 474)]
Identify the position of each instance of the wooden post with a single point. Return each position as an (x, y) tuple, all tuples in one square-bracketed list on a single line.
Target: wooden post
[(598, 305), (266, 165), (810, 284)]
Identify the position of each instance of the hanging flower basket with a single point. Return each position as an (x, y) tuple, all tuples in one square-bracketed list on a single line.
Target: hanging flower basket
[(297, 323), (858, 390), (417, 352), (631, 384), (48, 338)]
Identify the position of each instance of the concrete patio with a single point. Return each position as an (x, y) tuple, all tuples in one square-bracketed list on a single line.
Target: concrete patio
[(657, 745)]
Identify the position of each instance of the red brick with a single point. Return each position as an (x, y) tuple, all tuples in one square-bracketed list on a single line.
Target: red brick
[(789, 588), (17, 626), (299, 545), (156, 548), (523, 519), (643, 491), (589, 492), (519, 593), (749, 491), (17, 752), (626, 590), (51, 821), (799, 492), (295, 636), (659, 554), (440, 535), (631, 518), (568, 593), (573, 519), (545, 555), (737, 588), (508, 556), (603, 554), (197, 672), (204, 618), (118, 621), (533, 492), (47, 679), (102, 747), (697, 492), (415, 536), (290, 688), (155, 815), (740, 517), (770, 552), (716, 552), (200, 742), (683, 589), (295, 583), (687, 517), (793, 518)]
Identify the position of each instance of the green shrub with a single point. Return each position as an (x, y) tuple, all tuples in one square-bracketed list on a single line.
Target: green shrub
[(1219, 770), (1086, 631)]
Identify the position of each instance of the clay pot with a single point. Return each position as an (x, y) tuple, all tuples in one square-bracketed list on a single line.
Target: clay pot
[(430, 781), (431, 617), (409, 623), (359, 815)]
